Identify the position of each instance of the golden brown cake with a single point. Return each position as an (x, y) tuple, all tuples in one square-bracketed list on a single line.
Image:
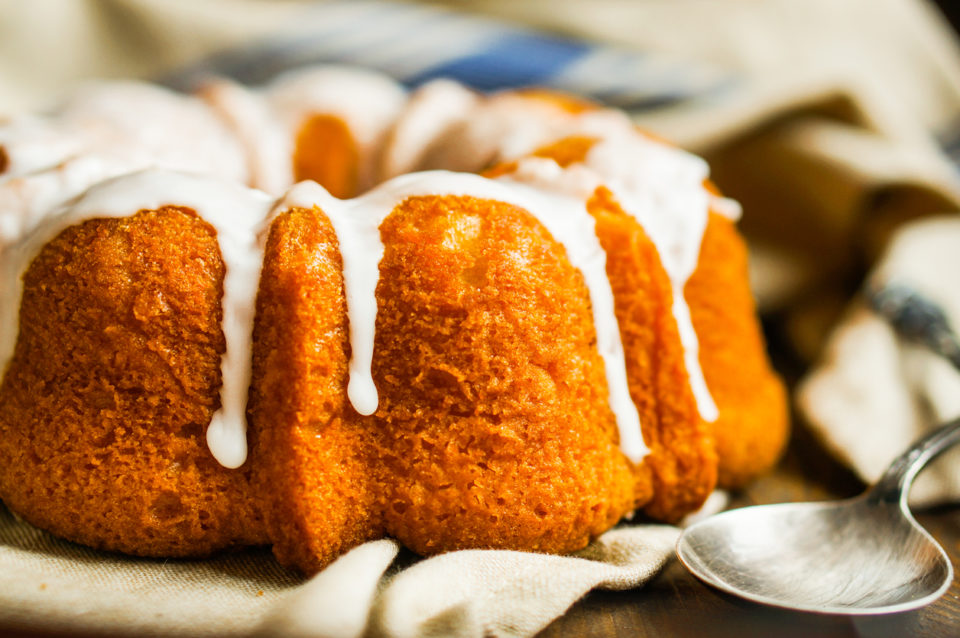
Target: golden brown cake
[(514, 360)]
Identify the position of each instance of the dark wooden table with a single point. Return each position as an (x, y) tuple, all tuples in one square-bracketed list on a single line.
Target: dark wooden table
[(676, 604)]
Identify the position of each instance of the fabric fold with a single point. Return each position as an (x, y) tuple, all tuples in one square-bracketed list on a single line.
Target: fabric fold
[(471, 594), (873, 393), (335, 603)]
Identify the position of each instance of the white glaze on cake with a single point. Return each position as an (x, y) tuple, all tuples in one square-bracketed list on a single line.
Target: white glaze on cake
[(103, 131), (236, 213), (429, 115), (357, 223), (31, 143), (25, 200), (150, 126), (662, 187), (729, 208), (267, 146), (365, 101), (659, 185), (501, 127)]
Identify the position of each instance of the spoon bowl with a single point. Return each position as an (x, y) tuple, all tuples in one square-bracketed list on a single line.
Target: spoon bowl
[(866, 555), (848, 557)]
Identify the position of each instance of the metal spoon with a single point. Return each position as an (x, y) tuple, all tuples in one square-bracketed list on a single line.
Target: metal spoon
[(866, 555)]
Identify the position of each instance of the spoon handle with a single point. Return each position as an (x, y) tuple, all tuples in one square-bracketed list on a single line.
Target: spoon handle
[(894, 485)]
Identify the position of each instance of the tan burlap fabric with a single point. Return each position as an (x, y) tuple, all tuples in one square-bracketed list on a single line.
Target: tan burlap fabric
[(49, 584), (828, 137), (46, 583)]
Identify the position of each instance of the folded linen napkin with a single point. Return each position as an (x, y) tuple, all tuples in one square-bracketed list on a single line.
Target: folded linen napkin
[(47, 584), (469, 594), (873, 392)]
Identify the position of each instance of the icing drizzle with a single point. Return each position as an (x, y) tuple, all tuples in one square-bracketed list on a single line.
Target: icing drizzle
[(237, 214), (357, 225), (659, 185), (662, 187)]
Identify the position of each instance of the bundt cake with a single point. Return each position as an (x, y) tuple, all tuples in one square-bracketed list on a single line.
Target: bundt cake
[(515, 355)]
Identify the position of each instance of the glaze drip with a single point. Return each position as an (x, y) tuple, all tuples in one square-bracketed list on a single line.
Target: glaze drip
[(357, 223), (235, 212), (555, 196), (660, 186)]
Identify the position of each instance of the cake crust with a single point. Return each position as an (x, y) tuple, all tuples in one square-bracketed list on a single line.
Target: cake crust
[(494, 426), (311, 453), (104, 406)]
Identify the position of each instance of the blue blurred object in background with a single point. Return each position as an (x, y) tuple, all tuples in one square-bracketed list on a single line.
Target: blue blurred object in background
[(415, 44)]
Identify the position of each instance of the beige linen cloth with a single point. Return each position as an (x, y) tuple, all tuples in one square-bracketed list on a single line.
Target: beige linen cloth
[(873, 392), (829, 137)]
